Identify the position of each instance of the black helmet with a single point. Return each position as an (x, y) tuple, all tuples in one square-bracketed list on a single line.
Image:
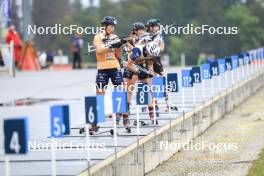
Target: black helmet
[(153, 22), (137, 26), (108, 20)]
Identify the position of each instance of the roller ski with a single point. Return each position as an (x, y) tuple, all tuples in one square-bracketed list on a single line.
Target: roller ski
[(92, 130), (151, 116), (143, 123), (144, 109), (128, 130), (125, 123)]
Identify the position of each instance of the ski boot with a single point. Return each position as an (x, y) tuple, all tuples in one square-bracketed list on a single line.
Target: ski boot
[(126, 123)]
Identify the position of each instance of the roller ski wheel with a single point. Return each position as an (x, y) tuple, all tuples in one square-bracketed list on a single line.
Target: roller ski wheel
[(128, 129), (111, 132), (93, 130), (174, 108), (82, 130)]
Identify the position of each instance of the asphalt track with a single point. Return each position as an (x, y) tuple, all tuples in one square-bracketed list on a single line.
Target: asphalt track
[(48, 88)]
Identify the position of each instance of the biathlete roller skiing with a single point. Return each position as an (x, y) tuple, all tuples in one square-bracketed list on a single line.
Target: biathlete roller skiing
[(137, 63), (141, 50), (130, 77), (108, 53), (142, 57), (153, 28)]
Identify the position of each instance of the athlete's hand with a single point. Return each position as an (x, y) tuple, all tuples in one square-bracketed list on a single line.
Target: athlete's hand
[(116, 45), (123, 41)]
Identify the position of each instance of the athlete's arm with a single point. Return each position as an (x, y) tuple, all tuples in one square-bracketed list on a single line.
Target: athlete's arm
[(131, 60), (161, 43), (135, 68), (162, 46), (130, 64), (118, 53), (99, 45)]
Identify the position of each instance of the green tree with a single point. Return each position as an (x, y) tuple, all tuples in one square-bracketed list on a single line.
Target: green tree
[(248, 17), (175, 49), (47, 13), (250, 34)]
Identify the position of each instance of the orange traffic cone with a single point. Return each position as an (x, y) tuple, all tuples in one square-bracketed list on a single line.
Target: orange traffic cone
[(29, 58)]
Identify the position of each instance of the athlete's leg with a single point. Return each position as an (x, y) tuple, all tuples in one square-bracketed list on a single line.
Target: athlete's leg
[(130, 79), (130, 87), (102, 79), (150, 106), (155, 67), (117, 80), (129, 95), (128, 75)]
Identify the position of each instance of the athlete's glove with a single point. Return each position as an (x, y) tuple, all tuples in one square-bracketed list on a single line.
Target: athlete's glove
[(142, 70)]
